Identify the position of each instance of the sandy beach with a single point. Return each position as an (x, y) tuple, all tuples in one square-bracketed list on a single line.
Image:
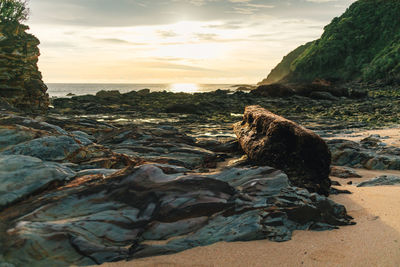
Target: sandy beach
[(373, 241)]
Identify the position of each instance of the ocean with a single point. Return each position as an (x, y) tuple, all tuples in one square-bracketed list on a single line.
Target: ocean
[(63, 89)]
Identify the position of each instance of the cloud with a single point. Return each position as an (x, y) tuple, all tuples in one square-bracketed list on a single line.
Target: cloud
[(173, 40)]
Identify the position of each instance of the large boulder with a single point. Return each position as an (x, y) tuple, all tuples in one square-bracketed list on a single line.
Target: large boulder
[(272, 140), (21, 82)]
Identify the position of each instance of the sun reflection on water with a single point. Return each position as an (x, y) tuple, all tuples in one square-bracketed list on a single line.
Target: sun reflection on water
[(184, 88)]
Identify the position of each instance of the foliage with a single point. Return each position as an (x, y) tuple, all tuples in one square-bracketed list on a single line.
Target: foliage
[(13, 10), (283, 68), (362, 44)]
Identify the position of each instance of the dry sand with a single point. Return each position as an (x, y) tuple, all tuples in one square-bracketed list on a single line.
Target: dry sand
[(374, 241)]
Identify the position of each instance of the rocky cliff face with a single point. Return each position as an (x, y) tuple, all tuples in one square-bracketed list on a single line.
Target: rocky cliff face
[(21, 82)]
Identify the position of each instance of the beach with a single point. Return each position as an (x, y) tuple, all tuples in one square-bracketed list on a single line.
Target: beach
[(373, 241)]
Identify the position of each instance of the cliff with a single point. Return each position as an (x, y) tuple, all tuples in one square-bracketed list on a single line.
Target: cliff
[(21, 82), (361, 45)]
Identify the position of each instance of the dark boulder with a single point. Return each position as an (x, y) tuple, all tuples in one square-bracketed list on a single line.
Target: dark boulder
[(323, 96), (273, 90), (272, 140)]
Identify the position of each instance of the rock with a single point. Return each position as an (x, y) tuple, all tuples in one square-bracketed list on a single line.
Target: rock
[(271, 140), (368, 154), (183, 108), (165, 145), (21, 82), (108, 94), (93, 220), (143, 92), (335, 191), (323, 96), (273, 90), (381, 180), (50, 148), (343, 172), (22, 176)]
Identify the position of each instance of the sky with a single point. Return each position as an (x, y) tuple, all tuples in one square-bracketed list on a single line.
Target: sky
[(172, 41)]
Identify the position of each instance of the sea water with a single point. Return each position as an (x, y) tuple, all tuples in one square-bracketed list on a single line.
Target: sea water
[(63, 89)]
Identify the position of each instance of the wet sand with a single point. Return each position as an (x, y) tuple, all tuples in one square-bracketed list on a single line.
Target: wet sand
[(374, 241)]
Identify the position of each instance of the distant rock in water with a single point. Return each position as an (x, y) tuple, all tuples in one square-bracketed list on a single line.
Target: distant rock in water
[(21, 82), (272, 140), (362, 44)]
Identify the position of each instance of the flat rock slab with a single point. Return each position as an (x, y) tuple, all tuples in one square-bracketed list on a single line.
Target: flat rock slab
[(94, 220), (21, 176), (344, 172), (381, 180), (271, 140), (369, 154)]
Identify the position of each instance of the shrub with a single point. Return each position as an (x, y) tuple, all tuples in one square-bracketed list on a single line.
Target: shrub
[(13, 10)]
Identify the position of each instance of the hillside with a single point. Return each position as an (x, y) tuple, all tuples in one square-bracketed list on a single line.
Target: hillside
[(361, 45)]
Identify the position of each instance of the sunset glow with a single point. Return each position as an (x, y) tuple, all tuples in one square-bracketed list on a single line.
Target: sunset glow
[(172, 41), (184, 87)]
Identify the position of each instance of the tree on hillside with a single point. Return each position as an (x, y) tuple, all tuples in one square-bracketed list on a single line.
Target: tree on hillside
[(13, 10)]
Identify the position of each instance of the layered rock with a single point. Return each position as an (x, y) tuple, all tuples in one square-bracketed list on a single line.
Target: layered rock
[(370, 153), (70, 197), (272, 140), (94, 220), (21, 82)]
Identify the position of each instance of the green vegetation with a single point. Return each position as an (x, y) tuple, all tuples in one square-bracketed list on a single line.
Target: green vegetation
[(283, 68), (13, 11), (361, 45)]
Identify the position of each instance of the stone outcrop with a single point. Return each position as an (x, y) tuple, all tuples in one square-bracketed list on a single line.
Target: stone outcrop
[(105, 192), (21, 82), (370, 153), (381, 181), (272, 140)]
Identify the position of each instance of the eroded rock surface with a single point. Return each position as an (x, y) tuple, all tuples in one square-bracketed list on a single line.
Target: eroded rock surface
[(370, 154), (381, 180), (93, 220), (77, 191), (21, 82), (272, 140)]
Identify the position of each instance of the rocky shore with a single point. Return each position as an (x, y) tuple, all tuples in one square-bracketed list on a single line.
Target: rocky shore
[(94, 188)]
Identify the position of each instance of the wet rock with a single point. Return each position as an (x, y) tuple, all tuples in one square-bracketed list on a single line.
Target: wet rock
[(367, 154), (183, 108), (273, 90), (50, 148), (22, 176), (323, 96), (93, 220), (381, 180), (160, 144), (343, 172), (271, 140), (108, 94)]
